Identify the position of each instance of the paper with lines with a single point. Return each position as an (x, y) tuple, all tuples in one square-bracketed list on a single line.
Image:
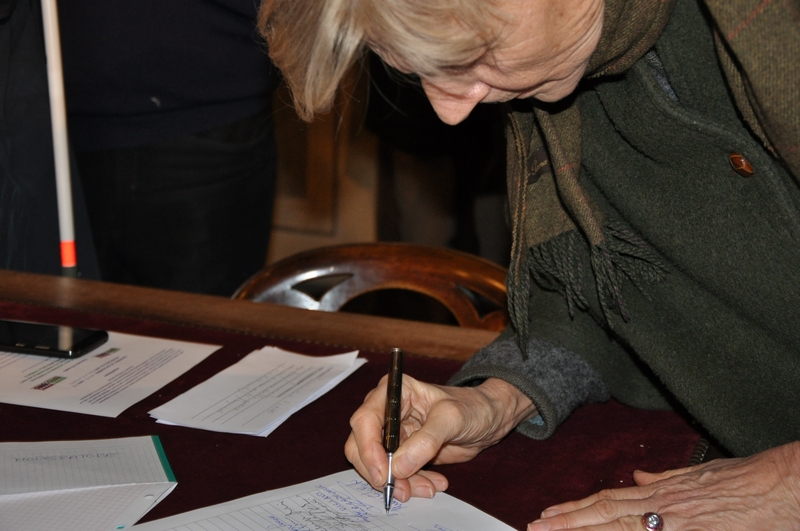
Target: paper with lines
[(339, 502), (257, 394), (81, 485)]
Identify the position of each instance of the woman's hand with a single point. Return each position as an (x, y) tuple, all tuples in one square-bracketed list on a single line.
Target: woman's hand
[(438, 425), (758, 492)]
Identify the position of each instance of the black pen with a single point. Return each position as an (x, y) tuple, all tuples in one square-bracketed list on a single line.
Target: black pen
[(391, 428)]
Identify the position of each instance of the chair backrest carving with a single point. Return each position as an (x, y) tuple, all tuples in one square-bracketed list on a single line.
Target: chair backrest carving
[(471, 288)]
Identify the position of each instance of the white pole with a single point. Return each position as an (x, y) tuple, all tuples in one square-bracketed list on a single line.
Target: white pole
[(58, 118)]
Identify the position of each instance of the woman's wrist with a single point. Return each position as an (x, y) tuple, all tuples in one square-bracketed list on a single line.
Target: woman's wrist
[(512, 406)]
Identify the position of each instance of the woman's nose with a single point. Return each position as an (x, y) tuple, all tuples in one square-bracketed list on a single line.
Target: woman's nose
[(453, 103)]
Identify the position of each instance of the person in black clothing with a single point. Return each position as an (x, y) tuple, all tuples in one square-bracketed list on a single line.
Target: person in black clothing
[(29, 236), (169, 116)]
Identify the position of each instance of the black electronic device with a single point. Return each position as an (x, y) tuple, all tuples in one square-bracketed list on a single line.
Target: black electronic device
[(49, 340)]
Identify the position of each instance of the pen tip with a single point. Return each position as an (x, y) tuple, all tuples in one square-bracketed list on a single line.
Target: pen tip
[(388, 490)]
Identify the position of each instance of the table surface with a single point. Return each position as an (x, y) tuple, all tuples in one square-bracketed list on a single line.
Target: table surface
[(598, 447)]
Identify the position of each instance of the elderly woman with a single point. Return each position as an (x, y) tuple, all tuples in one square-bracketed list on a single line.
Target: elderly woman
[(653, 187)]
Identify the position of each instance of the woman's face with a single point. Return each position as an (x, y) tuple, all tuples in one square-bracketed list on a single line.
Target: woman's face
[(541, 52)]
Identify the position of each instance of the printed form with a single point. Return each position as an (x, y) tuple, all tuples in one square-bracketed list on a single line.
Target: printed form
[(339, 502), (93, 485), (257, 394), (104, 382)]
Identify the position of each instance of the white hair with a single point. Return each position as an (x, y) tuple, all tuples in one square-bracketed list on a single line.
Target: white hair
[(315, 42)]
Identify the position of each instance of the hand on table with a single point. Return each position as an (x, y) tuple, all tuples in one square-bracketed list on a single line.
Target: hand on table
[(439, 425), (758, 492)]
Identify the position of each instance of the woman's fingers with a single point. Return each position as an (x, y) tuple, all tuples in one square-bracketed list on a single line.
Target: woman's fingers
[(426, 483), (630, 493), (364, 446), (624, 523), (614, 512), (370, 460)]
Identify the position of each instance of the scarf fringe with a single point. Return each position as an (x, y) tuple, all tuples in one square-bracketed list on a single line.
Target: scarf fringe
[(557, 265), (623, 254)]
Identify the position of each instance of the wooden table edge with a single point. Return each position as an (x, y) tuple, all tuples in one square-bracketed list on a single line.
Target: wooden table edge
[(349, 331)]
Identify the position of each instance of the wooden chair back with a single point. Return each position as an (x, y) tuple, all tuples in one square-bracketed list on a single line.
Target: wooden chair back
[(473, 289)]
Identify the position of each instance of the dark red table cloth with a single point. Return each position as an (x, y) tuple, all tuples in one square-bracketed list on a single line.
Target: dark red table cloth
[(598, 447)]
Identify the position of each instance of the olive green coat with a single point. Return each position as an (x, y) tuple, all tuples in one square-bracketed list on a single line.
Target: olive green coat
[(673, 275)]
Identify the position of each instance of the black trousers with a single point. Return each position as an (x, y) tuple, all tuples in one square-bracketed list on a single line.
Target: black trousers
[(191, 214)]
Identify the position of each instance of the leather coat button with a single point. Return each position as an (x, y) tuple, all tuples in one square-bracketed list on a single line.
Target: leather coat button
[(741, 166)]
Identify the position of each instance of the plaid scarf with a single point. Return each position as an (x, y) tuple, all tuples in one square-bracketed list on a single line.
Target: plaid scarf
[(550, 211)]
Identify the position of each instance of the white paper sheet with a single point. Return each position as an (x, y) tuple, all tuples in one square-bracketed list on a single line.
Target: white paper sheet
[(105, 382), (257, 394), (92, 485), (339, 502)]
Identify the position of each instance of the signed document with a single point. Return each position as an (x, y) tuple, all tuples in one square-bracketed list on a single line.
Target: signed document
[(341, 501)]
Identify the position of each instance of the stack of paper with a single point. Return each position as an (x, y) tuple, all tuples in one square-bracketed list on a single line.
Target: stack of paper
[(81, 485), (255, 395)]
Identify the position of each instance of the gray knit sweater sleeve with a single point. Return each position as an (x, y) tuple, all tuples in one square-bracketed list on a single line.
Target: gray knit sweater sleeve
[(555, 379)]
